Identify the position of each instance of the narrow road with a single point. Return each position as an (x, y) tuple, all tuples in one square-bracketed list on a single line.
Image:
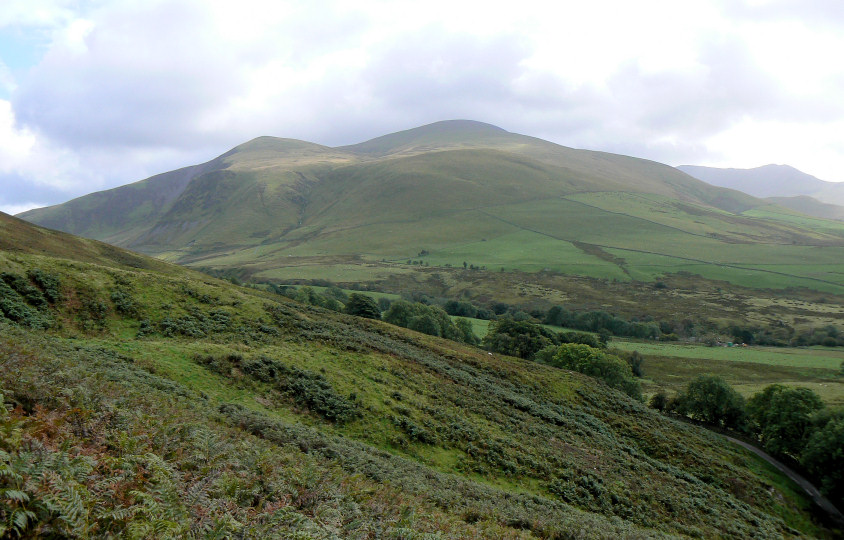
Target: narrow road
[(810, 490)]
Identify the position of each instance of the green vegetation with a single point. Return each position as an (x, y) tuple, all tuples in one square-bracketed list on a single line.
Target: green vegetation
[(711, 400), (790, 423), (595, 363), (363, 306), (823, 456), (430, 320), (748, 370), (783, 418), (162, 404)]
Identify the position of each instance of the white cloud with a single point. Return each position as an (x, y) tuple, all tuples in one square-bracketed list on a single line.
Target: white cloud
[(13, 209), (130, 88), (7, 81)]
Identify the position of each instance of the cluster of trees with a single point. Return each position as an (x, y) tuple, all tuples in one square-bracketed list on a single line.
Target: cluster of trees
[(784, 336), (577, 351), (787, 422), (524, 338), (431, 320), (595, 321)]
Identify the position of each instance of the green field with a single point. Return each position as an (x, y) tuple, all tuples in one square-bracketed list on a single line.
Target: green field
[(669, 367), (822, 358)]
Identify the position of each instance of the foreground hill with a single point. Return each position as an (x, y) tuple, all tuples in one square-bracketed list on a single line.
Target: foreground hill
[(452, 193), (151, 404)]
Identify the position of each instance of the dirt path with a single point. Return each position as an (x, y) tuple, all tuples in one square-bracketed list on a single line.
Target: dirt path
[(811, 490)]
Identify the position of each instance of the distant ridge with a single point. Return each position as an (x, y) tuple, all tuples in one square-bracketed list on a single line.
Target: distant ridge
[(770, 181)]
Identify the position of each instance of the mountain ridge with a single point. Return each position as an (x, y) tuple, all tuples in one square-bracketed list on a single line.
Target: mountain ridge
[(770, 181), (455, 190)]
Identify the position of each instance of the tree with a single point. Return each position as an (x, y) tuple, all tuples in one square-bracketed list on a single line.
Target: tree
[(517, 338), (362, 305), (400, 313), (466, 331), (659, 401), (425, 324), (823, 457), (782, 417), (710, 399)]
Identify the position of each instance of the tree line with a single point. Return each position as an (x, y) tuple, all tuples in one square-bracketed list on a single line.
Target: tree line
[(790, 423)]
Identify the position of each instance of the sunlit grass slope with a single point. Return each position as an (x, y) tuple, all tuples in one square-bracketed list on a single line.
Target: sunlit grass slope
[(163, 404)]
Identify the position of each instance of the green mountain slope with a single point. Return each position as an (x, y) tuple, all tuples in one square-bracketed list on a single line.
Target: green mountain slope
[(459, 191), (160, 405)]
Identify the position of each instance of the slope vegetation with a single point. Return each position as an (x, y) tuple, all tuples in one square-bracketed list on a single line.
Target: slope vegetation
[(153, 404)]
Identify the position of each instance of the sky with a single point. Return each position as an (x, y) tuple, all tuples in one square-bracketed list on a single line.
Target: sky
[(99, 93)]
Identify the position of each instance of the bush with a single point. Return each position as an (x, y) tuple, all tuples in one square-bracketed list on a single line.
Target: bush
[(124, 303), (614, 371), (306, 388), (48, 283), (23, 287), (13, 307)]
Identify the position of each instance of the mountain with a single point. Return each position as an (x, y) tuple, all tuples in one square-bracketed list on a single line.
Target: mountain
[(447, 195), (168, 404), (771, 181)]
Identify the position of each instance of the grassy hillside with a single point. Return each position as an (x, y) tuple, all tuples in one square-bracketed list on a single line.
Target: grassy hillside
[(458, 191), (160, 404), (808, 206)]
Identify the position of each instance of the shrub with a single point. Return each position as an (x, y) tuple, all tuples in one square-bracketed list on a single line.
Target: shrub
[(124, 303), (13, 307), (48, 283), (614, 371), (306, 388), (23, 287)]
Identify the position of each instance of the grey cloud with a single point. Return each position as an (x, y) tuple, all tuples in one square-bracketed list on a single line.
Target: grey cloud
[(18, 189)]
